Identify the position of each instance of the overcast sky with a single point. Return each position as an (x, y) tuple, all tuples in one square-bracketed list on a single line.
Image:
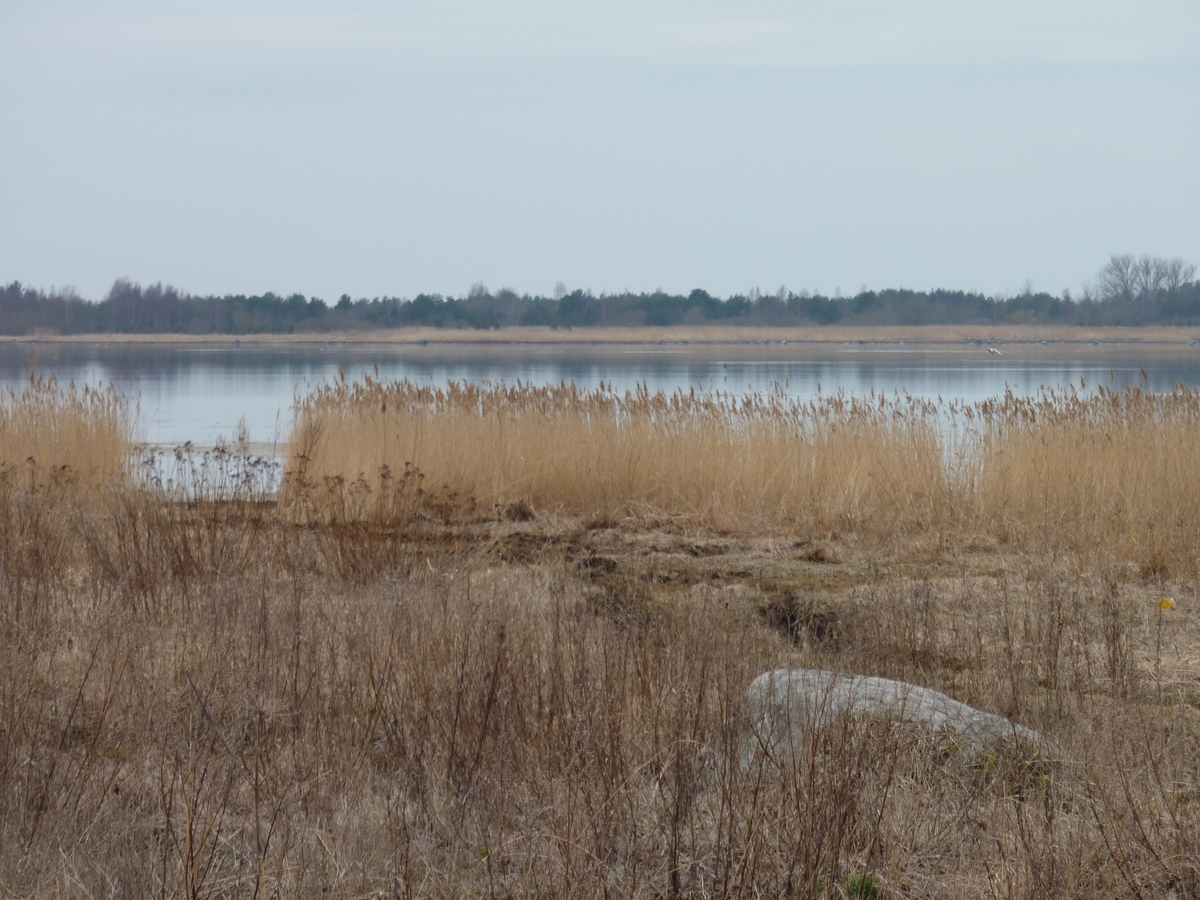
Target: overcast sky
[(390, 148)]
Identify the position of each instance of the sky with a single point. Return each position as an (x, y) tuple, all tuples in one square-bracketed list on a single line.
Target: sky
[(378, 148)]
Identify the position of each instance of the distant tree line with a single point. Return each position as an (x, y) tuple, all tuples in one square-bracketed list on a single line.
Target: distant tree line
[(1128, 291)]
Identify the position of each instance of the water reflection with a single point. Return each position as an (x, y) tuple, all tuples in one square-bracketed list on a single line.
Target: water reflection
[(199, 392)]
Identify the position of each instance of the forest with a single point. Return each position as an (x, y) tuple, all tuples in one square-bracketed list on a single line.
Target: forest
[(1128, 291)]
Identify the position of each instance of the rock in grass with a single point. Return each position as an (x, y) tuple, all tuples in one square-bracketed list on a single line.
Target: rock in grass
[(782, 704)]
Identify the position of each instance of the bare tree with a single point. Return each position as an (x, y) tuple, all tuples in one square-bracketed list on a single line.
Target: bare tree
[(1179, 272), (1126, 277), (1118, 279)]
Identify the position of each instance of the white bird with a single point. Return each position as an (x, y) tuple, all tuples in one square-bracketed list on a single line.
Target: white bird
[(994, 350)]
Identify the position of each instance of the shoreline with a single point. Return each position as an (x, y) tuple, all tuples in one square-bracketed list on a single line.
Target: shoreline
[(677, 335)]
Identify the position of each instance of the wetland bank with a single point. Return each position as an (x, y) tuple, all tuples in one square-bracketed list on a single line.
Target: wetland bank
[(475, 645), (197, 388)]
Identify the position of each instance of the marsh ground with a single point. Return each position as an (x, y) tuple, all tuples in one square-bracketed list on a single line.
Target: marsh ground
[(517, 707), (504, 685)]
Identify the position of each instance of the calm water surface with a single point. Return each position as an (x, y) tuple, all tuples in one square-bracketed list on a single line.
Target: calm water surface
[(199, 393)]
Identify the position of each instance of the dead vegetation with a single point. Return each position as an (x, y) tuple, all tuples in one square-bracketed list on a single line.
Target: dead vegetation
[(433, 689), (672, 334), (78, 434), (1100, 475)]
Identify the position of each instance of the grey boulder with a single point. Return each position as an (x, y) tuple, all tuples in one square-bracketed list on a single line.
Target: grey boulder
[(783, 704)]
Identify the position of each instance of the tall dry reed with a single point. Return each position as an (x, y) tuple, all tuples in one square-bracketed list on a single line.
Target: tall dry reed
[(836, 464), (60, 448), (84, 430), (1113, 473), (1099, 475)]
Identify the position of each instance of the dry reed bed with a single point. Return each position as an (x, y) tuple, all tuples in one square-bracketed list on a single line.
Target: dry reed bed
[(716, 459), (1117, 472), (202, 698), (1095, 475), (81, 432), (673, 334)]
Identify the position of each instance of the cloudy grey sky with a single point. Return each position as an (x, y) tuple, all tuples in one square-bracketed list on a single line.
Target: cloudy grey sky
[(389, 148)]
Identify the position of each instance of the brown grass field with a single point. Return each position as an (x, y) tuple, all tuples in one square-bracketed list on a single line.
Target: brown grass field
[(491, 668), (675, 334)]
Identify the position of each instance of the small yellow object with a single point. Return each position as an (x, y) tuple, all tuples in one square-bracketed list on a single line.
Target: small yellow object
[(1166, 603)]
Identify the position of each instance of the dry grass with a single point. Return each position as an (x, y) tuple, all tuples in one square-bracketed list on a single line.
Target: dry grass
[(201, 696), (714, 459), (61, 450), (1098, 476), (458, 726), (83, 432), (1113, 472)]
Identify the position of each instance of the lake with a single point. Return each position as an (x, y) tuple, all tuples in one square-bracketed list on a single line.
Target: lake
[(199, 392)]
